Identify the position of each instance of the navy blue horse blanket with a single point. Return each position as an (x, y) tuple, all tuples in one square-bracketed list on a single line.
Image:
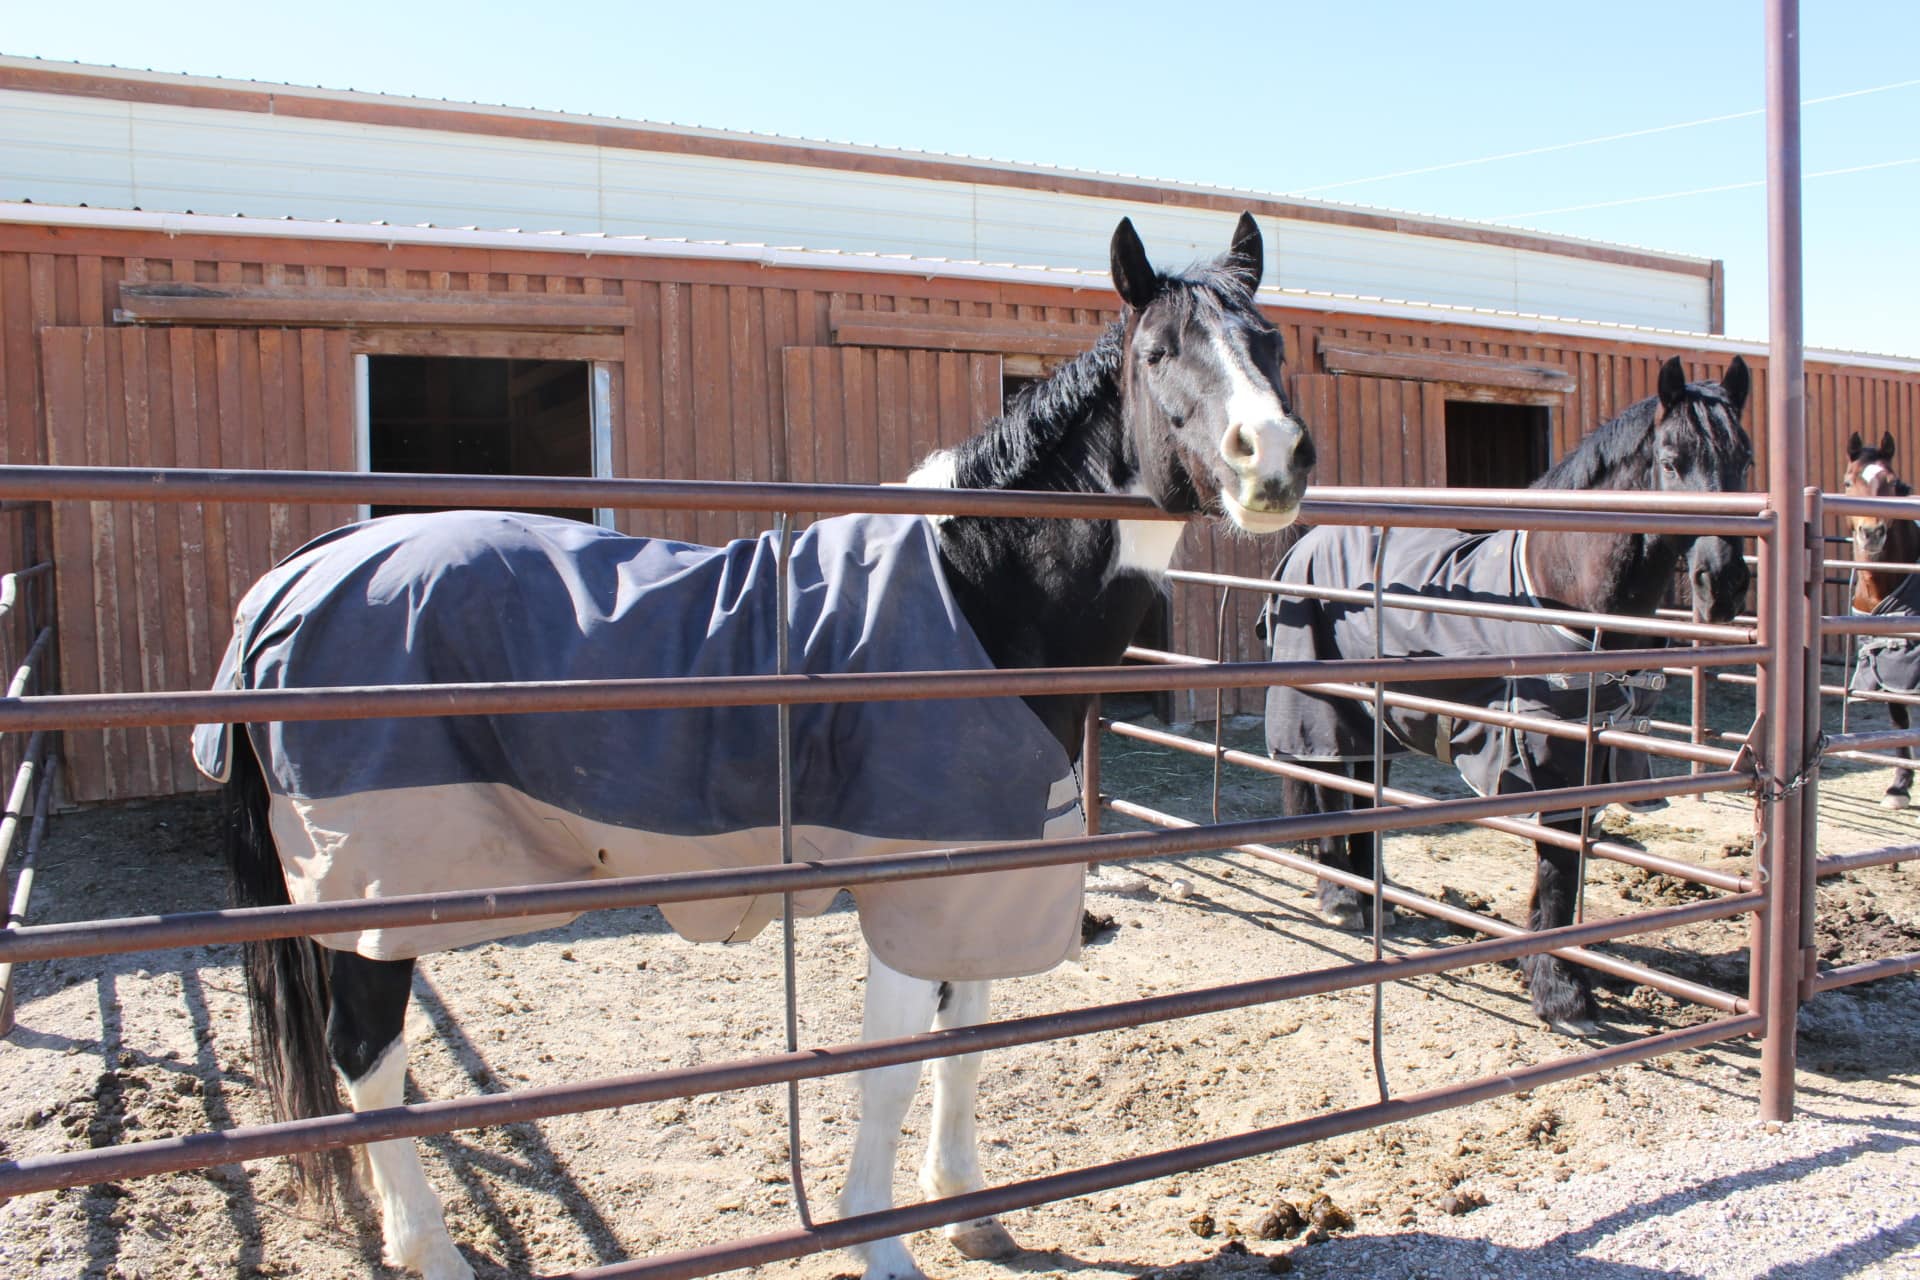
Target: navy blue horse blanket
[(375, 808), (1891, 663), (1447, 564)]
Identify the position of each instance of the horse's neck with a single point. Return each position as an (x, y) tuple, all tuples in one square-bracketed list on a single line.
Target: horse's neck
[(1603, 572), (1046, 592), (1875, 585), (1870, 587)]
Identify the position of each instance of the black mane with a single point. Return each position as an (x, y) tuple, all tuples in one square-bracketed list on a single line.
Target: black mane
[(1080, 402), (1615, 455), (1021, 449)]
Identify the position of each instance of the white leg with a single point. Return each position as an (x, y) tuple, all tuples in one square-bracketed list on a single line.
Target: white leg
[(896, 1006), (953, 1147), (412, 1222)]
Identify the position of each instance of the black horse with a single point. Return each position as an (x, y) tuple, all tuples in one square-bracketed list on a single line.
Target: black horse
[(1181, 400), (1687, 438), (1886, 663)]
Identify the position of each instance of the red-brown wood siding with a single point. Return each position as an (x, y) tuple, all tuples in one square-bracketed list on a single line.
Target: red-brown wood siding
[(148, 589), (727, 369)]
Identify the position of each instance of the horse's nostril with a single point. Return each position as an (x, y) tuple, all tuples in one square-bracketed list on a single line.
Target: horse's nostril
[(1238, 446)]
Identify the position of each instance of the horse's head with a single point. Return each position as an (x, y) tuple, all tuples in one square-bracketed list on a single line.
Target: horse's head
[(1870, 474), (1206, 416), (1700, 447)]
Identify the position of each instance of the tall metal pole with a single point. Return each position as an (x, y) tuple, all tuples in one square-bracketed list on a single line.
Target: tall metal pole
[(1784, 693)]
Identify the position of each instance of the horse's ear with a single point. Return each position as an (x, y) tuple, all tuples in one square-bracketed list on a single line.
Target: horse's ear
[(1673, 384), (1736, 384), (1886, 447), (1133, 276), (1246, 258)]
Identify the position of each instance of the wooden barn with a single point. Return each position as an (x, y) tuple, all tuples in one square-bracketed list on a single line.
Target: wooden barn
[(199, 272)]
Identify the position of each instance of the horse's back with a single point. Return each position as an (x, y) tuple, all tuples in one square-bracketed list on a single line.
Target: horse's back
[(1443, 564), (395, 805)]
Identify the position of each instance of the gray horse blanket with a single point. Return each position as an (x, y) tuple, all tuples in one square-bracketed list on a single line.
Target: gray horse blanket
[(1444, 563), (1891, 663), (380, 807)]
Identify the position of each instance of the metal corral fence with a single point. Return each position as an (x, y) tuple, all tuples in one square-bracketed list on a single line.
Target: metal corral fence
[(27, 656), (1869, 748), (1777, 762), (1774, 887)]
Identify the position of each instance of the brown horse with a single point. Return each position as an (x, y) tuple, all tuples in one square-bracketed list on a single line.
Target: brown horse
[(1887, 663)]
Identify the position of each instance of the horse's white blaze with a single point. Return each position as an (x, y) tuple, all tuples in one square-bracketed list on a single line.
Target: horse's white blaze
[(412, 1220), (1254, 411), (1870, 472)]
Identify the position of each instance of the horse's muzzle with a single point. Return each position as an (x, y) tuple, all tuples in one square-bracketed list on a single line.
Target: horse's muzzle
[(1719, 590), (1270, 469)]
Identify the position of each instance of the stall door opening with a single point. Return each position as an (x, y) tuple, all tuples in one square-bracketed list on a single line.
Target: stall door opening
[(480, 417), (1496, 446)]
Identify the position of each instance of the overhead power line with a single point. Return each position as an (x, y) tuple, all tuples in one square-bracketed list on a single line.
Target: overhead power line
[(1696, 191), (1589, 142)]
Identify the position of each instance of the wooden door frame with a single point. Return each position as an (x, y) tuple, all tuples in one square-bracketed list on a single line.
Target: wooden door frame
[(600, 409)]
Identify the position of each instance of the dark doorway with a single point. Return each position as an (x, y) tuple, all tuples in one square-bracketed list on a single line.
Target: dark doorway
[(1013, 386), (1496, 446), (480, 417)]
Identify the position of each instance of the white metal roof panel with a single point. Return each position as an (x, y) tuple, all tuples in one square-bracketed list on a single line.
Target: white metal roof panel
[(1071, 279), (68, 149)]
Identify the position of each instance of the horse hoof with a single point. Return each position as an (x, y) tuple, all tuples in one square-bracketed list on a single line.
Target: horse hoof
[(1581, 1028), (1894, 800), (430, 1259), (894, 1271), (888, 1260), (983, 1240), (446, 1268), (1350, 919)]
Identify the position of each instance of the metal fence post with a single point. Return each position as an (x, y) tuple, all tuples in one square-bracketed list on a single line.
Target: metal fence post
[(1090, 766), (1813, 739), (1783, 675)]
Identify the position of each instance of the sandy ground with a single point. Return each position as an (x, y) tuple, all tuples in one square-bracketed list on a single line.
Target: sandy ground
[(1659, 1169)]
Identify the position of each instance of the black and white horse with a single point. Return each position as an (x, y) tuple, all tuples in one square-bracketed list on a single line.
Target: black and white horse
[(1181, 400), (1687, 438), (1888, 664)]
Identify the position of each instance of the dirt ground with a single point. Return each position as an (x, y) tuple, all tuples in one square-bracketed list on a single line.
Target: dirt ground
[(1660, 1169)]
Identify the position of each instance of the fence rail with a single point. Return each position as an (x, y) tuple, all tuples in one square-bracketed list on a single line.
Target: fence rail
[(1719, 647), (1780, 764), (1716, 648)]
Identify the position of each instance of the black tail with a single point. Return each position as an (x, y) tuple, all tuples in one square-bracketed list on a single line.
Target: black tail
[(286, 982)]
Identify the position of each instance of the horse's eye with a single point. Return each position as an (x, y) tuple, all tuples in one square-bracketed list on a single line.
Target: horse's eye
[(1156, 354)]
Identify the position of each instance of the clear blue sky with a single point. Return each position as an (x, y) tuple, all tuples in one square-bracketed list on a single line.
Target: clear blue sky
[(1277, 97)]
